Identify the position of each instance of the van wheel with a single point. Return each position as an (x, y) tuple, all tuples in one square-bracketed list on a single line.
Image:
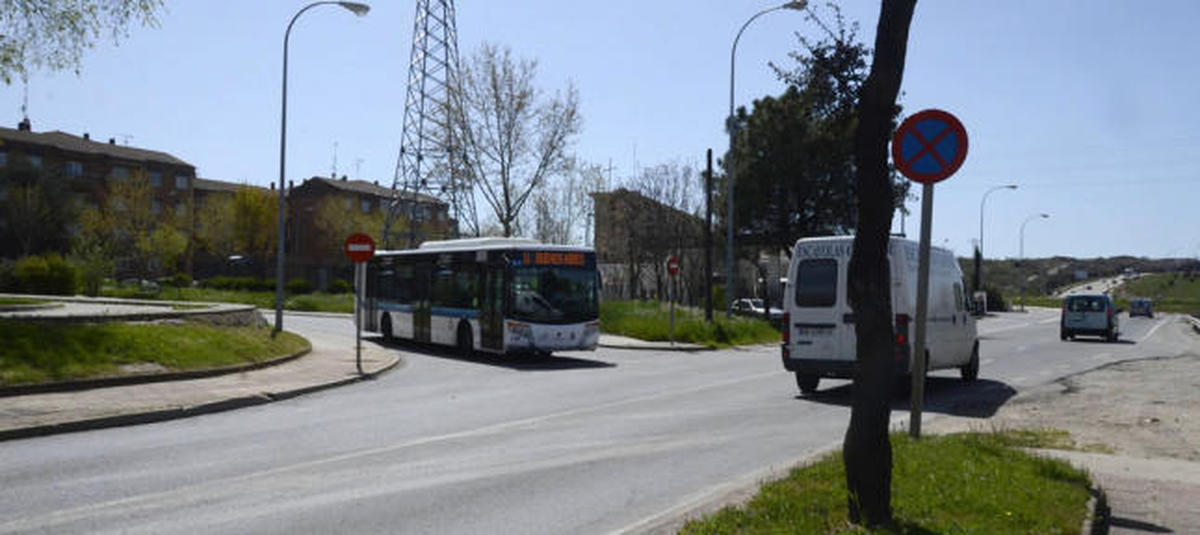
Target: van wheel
[(386, 327), (807, 382), (466, 344), (1062, 334), (970, 371)]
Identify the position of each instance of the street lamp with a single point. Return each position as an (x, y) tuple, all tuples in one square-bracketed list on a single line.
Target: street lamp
[(979, 264), (729, 125), (1023, 270), (357, 9)]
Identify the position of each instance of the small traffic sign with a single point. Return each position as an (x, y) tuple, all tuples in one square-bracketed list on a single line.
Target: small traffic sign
[(929, 146), (672, 265), (359, 247)]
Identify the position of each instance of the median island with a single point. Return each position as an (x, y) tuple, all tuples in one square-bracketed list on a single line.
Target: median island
[(34, 352), (957, 483)]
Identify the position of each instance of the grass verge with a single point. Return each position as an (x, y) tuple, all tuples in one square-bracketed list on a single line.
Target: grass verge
[(19, 301), (37, 353), (650, 320), (315, 302), (961, 483)]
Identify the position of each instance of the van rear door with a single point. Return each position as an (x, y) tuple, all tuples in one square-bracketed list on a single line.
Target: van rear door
[(823, 326)]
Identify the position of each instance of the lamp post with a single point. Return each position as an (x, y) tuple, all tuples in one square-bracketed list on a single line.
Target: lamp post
[(357, 9), (1023, 270), (979, 265), (729, 125)]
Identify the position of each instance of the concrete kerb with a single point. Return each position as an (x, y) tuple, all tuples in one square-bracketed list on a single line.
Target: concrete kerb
[(210, 311), (174, 413)]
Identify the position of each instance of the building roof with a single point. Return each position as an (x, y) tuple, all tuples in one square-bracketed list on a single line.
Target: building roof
[(208, 184), (371, 188), (71, 143)]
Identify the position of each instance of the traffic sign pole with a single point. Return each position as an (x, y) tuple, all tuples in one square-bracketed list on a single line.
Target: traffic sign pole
[(917, 402), (359, 249)]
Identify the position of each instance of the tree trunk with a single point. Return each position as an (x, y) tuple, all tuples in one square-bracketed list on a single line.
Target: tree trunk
[(866, 452)]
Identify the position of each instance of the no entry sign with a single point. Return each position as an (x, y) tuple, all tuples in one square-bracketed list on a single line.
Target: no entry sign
[(672, 265), (359, 247), (929, 146)]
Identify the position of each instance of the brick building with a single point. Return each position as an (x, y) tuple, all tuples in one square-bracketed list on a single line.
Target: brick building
[(323, 211), (88, 166)]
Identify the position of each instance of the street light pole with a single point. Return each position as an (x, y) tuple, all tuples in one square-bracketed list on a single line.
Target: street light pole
[(1024, 274), (979, 266), (730, 293), (357, 9)]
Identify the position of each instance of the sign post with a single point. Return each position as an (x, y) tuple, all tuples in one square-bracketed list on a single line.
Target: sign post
[(928, 147), (672, 271), (359, 248)]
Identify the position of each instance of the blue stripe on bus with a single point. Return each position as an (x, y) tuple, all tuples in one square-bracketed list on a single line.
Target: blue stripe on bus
[(454, 312), (435, 311)]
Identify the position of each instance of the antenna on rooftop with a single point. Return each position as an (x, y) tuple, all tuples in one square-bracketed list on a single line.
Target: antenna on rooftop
[(432, 161), (334, 172), (25, 96)]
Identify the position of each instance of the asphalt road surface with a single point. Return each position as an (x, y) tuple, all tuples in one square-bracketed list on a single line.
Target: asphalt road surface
[(589, 442)]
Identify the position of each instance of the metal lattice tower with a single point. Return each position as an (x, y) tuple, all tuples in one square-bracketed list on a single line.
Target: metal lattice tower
[(431, 158)]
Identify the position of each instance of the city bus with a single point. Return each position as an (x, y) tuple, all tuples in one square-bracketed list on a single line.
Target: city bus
[(491, 295)]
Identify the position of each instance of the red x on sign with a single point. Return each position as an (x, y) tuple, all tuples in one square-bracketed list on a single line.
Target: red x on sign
[(929, 146)]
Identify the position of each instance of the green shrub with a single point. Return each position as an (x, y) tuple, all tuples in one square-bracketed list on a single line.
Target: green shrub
[(244, 284), (8, 280), (299, 286), (48, 274), (340, 286)]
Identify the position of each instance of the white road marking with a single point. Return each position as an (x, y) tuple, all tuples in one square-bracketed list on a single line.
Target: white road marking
[(1152, 329)]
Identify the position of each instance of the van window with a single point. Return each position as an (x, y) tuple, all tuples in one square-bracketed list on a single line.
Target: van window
[(1086, 304), (958, 297), (816, 283)]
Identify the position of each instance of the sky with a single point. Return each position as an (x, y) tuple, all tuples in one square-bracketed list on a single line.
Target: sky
[(1089, 107)]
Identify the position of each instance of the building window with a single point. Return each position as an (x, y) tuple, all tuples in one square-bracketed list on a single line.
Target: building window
[(119, 173), (156, 179), (181, 209), (35, 161), (365, 205), (3, 158), (74, 169), (181, 181), (155, 207)]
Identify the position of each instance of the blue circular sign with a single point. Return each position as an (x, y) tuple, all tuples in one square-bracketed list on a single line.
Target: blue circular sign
[(929, 146)]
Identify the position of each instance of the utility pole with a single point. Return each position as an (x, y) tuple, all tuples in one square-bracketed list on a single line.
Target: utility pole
[(708, 238)]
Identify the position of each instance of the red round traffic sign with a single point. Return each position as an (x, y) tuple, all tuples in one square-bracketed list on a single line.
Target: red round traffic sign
[(359, 247), (929, 146), (672, 265)]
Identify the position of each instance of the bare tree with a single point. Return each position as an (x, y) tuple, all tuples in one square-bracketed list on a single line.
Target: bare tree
[(515, 138), (866, 452)]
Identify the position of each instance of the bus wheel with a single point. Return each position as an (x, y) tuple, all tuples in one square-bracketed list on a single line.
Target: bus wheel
[(970, 370), (807, 382), (386, 327), (466, 345)]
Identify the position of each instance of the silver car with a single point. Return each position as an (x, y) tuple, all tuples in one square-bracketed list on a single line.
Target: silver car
[(1089, 314)]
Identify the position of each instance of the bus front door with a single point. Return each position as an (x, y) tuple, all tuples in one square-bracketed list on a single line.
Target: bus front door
[(491, 313)]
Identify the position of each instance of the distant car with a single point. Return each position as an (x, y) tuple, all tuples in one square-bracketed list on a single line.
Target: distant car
[(1141, 307), (748, 306), (1089, 314)]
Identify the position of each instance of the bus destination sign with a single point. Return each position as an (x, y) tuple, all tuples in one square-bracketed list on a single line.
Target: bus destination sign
[(552, 258)]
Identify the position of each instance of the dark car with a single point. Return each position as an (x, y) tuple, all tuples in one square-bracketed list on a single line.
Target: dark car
[(1141, 307)]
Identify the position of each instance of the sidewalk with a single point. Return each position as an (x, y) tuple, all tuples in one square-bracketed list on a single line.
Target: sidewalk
[(624, 342), (328, 365)]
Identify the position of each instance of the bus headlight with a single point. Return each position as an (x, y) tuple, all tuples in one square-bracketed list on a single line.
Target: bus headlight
[(592, 330), (520, 333)]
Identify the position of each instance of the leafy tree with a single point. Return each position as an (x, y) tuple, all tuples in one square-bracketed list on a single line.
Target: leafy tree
[(132, 231), (214, 226), (515, 138), (255, 225), (794, 153), (866, 451), (54, 33), (38, 208), (334, 220)]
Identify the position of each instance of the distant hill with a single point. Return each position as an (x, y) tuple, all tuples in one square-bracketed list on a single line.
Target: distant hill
[(1045, 275)]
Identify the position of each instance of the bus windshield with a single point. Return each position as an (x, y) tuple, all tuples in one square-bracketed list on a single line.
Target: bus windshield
[(554, 294)]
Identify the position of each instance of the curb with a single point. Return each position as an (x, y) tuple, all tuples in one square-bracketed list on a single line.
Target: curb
[(126, 380), (677, 348), (163, 415)]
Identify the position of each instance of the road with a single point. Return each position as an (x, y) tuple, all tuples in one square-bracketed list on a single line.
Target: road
[(605, 442)]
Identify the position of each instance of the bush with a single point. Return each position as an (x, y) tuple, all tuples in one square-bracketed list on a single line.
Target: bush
[(241, 284), (48, 274), (340, 286), (299, 286), (995, 300), (8, 280)]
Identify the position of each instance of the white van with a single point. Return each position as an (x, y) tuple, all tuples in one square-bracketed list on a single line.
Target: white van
[(818, 335)]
